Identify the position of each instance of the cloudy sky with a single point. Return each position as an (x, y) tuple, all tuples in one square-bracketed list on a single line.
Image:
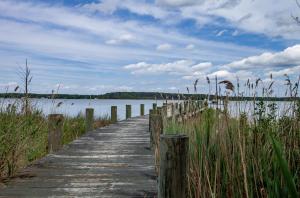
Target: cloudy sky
[(98, 46)]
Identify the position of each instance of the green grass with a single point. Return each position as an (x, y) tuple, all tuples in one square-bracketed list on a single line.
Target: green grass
[(246, 156), (23, 136)]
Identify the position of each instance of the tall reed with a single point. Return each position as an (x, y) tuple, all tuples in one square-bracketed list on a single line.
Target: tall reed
[(251, 152)]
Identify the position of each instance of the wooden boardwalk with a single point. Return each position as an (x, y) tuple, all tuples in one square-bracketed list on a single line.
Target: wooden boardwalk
[(114, 161)]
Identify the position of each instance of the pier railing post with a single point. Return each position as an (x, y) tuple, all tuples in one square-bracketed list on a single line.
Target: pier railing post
[(55, 125), (159, 110), (154, 106), (173, 169), (156, 129), (89, 119), (142, 109), (151, 112), (164, 110), (114, 114), (128, 111)]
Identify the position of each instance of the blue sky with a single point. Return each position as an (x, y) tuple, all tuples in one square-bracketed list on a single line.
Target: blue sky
[(93, 47)]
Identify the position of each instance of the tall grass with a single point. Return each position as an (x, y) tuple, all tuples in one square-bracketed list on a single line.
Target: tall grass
[(24, 128), (255, 153), (23, 135)]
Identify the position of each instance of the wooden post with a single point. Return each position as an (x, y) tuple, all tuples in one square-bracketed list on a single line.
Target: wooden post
[(173, 167), (55, 124), (173, 108), (89, 119), (159, 110), (164, 110), (185, 106), (142, 109), (154, 106), (151, 112), (128, 111), (156, 129), (181, 108), (114, 114)]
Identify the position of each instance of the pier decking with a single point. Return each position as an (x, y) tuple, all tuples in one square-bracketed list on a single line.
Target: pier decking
[(114, 161)]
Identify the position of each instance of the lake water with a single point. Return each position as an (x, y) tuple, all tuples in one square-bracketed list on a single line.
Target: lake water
[(235, 108), (102, 107)]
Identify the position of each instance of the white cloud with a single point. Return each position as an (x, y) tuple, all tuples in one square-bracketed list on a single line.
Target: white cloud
[(202, 66), (180, 67), (178, 2), (164, 47), (221, 74), (135, 6), (220, 33), (267, 17), (54, 34), (107, 7), (111, 42), (190, 47), (125, 38), (254, 16), (232, 76), (82, 36), (289, 71), (286, 58)]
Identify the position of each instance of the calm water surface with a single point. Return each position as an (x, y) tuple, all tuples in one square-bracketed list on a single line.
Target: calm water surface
[(73, 107)]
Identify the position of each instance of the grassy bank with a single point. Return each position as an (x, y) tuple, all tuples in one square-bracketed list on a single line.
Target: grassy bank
[(245, 156), (23, 136)]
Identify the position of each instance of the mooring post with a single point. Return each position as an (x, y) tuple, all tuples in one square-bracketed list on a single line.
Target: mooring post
[(89, 119), (185, 106), (142, 109), (173, 109), (154, 106), (156, 129), (159, 110), (173, 169), (55, 125), (164, 110), (151, 111), (114, 114), (128, 111)]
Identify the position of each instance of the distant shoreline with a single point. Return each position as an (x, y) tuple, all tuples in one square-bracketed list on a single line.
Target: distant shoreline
[(141, 96)]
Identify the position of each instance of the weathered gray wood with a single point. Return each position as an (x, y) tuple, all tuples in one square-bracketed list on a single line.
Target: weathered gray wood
[(154, 106), (156, 129), (151, 112), (55, 124), (173, 167), (142, 109), (128, 111), (184, 106), (181, 108), (164, 110), (159, 110), (89, 119), (114, 161), (114, 114)]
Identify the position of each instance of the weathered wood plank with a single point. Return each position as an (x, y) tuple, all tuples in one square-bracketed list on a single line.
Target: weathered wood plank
[(114, 161)]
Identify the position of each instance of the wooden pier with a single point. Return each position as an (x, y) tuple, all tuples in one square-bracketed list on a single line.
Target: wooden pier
[(130, 158), (114, 161)]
